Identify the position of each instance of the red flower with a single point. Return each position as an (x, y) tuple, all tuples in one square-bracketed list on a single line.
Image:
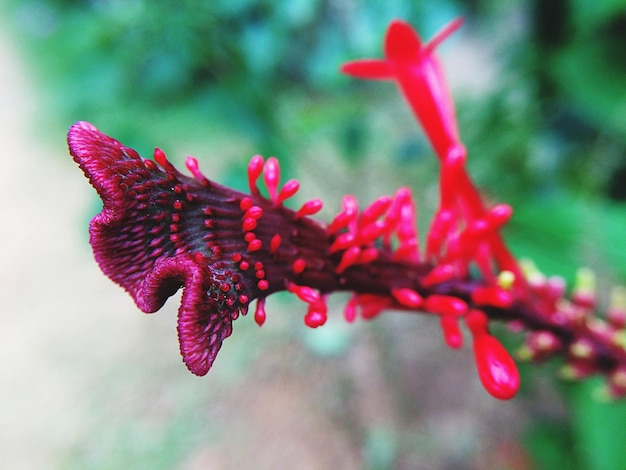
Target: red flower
[(161, 230)]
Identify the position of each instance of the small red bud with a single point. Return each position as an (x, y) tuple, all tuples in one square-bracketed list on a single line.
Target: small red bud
[(298, 266), (259, 313), (451, 331), (288, 190), (271, 175), (407, 297), (255, 167), (309, 208)]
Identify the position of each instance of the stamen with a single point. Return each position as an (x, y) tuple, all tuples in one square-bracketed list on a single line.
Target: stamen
[(442, 35)]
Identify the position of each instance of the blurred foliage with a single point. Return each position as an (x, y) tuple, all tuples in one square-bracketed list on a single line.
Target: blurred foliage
[(245, 76)]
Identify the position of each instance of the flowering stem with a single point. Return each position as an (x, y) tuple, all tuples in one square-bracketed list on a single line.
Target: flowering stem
[(161, 230)]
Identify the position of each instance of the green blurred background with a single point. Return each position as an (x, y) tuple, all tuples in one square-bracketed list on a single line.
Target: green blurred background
[(89, 383)]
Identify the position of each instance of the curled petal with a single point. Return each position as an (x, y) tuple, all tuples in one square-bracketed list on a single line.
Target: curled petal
[(124, 182), (203, 321)]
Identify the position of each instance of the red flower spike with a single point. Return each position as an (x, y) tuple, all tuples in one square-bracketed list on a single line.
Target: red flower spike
[(255, 168), (271, 175), (451, 331), (161, 230), (309, 208), (407, 297)]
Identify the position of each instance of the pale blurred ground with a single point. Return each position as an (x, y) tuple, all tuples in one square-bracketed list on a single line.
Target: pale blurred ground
[(86, 381)]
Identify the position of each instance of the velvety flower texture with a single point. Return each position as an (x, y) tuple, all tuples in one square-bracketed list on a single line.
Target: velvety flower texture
[(161, 230)]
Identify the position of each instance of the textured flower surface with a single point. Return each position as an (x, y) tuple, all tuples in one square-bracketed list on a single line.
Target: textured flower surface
[(161, 230)]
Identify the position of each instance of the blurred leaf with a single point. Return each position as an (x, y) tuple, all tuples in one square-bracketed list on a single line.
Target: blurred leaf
[(550, 444), (598, 428)]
